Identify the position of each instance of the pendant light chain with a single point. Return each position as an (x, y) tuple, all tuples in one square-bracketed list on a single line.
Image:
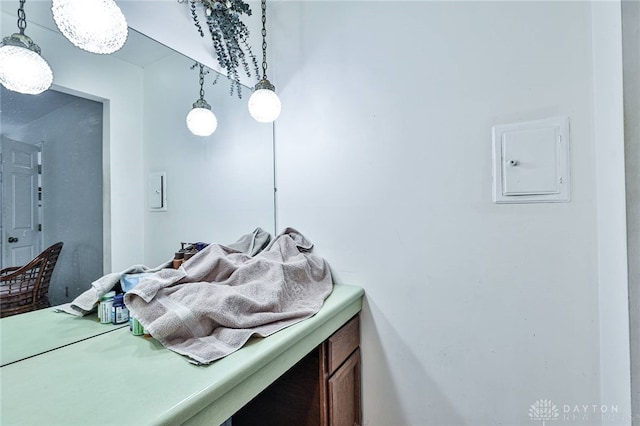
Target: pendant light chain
[(264, 40), (22, 18), (201, 82)]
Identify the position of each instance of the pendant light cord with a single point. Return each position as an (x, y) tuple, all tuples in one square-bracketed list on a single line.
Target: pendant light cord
[(264, 39), (22, 18)]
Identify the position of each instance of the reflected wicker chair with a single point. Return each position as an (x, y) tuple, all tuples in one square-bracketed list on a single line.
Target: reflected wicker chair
[(26, 288)]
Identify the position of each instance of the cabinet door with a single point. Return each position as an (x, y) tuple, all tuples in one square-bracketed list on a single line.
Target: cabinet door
[(295, 399), (344, 393)]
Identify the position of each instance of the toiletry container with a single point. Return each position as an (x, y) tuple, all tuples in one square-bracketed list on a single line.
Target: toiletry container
[(119, 312), (105, 307)]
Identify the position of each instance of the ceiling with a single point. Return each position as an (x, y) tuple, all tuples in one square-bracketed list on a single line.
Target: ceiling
[(18, 110)]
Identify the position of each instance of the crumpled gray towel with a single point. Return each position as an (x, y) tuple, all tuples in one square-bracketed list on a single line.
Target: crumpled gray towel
[(251, 243), (210, 307)]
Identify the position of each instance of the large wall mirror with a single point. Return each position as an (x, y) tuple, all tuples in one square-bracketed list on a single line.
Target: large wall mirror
[(106, 129)]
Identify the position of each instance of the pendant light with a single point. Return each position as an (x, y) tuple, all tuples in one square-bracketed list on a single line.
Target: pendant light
[(22, 69), (97, 26), (201, 121), (264, 104)]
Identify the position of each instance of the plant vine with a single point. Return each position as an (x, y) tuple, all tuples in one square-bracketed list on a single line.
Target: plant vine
[(230, 36)]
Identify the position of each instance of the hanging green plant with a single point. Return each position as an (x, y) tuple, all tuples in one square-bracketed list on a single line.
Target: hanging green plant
[(230, 36)]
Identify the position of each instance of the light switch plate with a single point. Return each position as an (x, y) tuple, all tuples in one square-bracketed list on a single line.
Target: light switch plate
[(157, 191), (531, 161)]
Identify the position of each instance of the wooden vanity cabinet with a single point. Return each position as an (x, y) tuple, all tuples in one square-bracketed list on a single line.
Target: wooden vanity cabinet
[(322, 389)]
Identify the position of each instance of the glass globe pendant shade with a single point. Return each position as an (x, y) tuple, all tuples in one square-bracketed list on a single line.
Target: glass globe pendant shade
[(22, 69), (97, 26), (264, 104), (201, 121)]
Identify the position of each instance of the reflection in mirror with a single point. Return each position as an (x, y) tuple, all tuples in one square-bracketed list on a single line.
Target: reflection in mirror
[(97, 165), (51, 155), (218, 187)]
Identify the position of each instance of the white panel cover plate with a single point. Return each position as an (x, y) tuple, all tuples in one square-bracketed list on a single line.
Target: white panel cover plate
[(531, 161), (157, 191)]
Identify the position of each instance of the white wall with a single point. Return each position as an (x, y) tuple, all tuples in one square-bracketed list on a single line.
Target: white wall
[(473, 310), (218, 187), (119, 86)]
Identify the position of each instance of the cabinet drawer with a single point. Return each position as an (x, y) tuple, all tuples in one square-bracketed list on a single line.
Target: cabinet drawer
[(342, 343)]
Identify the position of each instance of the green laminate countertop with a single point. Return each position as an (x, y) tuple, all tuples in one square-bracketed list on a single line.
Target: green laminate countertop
[(118, 378), (33, 333)]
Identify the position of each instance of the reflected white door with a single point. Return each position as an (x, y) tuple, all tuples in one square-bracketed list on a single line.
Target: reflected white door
[(21, 240)]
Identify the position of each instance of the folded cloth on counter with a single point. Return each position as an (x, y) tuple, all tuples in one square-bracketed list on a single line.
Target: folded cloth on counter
[(85, 303), (251, 243), (212, 304)]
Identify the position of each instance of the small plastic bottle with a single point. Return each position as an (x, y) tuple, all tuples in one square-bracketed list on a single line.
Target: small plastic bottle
[(178, 259), (188, 255), (135, 327), (119, 312), (105, 307)]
